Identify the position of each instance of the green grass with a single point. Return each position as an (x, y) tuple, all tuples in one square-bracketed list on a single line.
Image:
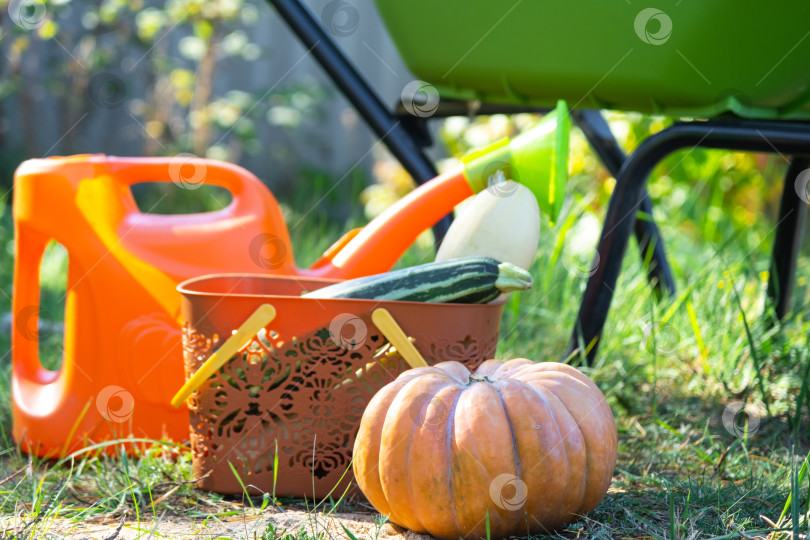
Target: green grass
[(669, 368)]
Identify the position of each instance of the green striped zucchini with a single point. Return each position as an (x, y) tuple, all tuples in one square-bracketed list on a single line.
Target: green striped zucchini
[(471, 280)]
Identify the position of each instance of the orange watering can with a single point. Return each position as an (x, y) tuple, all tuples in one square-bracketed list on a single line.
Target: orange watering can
[(122, 358)]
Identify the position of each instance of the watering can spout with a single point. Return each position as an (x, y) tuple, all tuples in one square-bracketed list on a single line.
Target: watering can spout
[(538, 158), (378, 246)]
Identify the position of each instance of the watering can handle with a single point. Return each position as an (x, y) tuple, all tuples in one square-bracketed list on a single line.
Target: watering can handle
[(190, 172), (30, 245)]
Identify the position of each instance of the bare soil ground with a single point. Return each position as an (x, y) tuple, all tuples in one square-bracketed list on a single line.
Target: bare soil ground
[(242, 527)]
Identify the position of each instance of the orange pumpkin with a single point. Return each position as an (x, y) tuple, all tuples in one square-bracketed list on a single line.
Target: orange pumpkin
[(531, 445)]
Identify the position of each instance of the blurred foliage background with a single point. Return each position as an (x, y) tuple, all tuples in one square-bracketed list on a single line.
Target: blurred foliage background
[(162, 64), (162, 68)]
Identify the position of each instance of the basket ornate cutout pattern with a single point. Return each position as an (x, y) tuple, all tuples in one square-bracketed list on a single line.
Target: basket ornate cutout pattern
[(296, 401)]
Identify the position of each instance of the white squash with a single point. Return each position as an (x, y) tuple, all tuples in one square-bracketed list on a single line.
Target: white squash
[(502, 222)]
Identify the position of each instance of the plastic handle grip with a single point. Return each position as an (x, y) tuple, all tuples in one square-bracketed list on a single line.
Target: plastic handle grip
[(260, 318), (394, 333), (30, 245), (186, 171), (189, 172)]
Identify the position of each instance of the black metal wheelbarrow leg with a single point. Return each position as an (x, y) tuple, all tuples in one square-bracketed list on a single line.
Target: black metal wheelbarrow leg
[(742, 135), (650, 243), (789, 233)]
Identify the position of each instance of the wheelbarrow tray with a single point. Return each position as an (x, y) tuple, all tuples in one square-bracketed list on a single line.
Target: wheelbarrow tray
[(678, 58)]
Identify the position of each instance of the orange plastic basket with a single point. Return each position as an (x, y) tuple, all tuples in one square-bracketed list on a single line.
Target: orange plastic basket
[(294, 395)]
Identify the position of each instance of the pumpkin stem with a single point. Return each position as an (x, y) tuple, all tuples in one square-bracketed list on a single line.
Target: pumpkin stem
[(479, 378)]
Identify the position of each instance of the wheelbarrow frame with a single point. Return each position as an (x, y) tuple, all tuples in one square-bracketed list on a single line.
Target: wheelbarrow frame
[(630, 207)]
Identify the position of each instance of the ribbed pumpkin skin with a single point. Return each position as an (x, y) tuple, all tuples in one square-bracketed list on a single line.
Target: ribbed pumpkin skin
[(532, 444)]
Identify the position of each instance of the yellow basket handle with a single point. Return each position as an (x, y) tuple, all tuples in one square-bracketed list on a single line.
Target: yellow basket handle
[(393, 333), (258, 320)]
